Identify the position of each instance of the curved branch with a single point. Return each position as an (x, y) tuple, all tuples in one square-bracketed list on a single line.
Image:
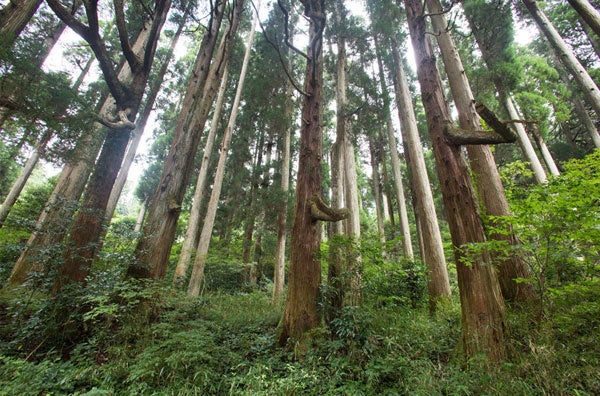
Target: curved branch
[(122, 123), (320, 211), (458, 137)]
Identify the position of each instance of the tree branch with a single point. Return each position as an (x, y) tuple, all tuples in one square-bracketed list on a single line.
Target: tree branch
[(122, 123), (459, 137), (286, 18), (320, 211), (69, 19), (501, 128), (132, 59), (280, 56), (161, 7)]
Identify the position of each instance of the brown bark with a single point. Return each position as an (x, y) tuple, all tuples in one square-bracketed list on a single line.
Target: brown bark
[(158, 233), (300, 314), (481, 301)]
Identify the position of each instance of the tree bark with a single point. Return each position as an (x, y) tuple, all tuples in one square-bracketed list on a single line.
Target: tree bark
[(433, 250), (158, 233), (481, 300), (588, 13), (487, 179), (565, 55), (300, 314), (197, 276), (546, 155), (14, 16), (376, 186)]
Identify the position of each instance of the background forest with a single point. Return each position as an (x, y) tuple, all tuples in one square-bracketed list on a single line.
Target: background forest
[(299, 197)]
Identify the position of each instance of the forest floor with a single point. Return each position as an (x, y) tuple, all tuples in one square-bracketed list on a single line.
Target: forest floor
[(225, 344)]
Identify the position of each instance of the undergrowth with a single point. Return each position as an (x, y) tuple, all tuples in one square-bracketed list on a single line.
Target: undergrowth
[(224, 344)]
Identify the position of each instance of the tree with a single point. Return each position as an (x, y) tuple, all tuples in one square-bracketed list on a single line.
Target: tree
[(433, 250), (55, 219), (300, 314), (14, 16), (127, 94), (482, 306)]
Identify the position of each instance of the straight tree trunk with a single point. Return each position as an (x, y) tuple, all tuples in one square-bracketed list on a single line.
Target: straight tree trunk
[(588, 13), (546, 155), (279, 274), (578, 105), (300, 314), (158, 233), (197, 276), (376, 186), (487, 179), (481, 300), (140, 219), (565, 55), (433, 250), (188, 249), (19, 184), (407, 248)]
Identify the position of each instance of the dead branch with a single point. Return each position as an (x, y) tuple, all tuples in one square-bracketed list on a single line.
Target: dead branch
[(320, 211)]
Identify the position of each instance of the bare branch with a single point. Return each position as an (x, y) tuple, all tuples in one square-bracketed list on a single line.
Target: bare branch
[(501, 128), (459, 137), (69, 19), (320, 211), (132, 59)]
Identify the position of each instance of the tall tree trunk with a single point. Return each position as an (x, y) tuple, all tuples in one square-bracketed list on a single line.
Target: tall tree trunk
[(566, 56), (188, 249), (433, 250), (346, 164), (386, 185), (407, 248), (487, 179), (140, 219), (481, 300), (589, 14), (279, 273), (158, 233), (55, 219), (300, 314), (14, 16), (591, 36), (376, 186), (211, 212)]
